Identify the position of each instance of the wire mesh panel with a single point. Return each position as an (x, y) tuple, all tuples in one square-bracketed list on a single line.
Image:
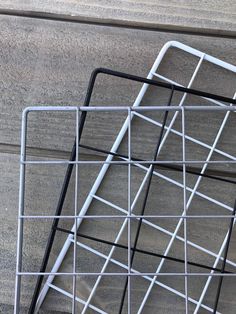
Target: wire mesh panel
[(153, 232), (126, 215)]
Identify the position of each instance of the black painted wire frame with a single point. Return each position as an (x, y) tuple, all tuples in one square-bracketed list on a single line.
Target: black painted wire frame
[(67, 178)]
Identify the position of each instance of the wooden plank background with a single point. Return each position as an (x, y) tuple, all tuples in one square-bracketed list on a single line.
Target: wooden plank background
[(215, 17)]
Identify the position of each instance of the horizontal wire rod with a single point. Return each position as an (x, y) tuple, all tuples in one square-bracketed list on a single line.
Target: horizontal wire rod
[(164, 166), (138, 274), (174, 259), (125, 162)]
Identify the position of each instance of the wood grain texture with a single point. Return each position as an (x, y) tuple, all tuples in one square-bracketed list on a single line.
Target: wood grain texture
[(217, 17), (48, 63)]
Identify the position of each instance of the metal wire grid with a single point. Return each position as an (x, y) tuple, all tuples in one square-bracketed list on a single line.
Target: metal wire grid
[(128, 213), (79, 217)]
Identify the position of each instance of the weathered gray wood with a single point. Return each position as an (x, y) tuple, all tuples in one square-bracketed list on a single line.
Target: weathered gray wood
[(50, 63), (216, 17)]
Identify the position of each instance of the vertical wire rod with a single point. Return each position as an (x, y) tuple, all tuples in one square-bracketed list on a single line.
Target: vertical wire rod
[(20, 212), (129, 212), (185, 212), (74, 303)]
